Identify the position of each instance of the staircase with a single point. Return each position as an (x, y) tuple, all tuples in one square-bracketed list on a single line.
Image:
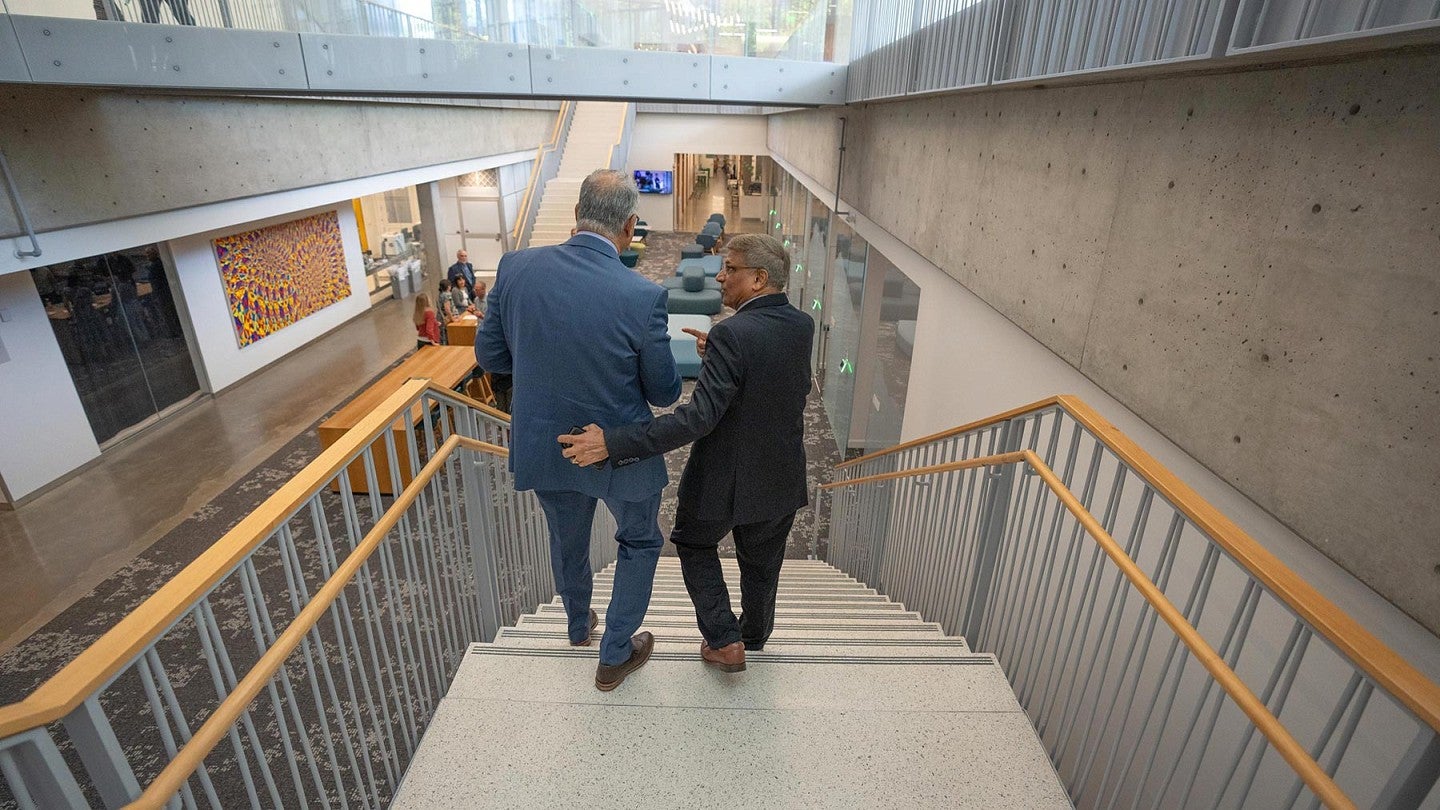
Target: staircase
[(594, 131), (855, 701)]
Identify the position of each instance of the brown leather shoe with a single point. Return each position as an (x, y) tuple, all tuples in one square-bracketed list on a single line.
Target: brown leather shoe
[(607, 678), (594, 620), (730, 658)]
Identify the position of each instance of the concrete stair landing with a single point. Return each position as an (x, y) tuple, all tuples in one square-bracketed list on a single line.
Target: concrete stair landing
[(854, 702)]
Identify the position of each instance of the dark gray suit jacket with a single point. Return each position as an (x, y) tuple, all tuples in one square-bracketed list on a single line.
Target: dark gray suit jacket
[(746, 419)]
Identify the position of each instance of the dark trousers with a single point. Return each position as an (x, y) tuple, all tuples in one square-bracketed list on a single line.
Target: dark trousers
[(759, 549)]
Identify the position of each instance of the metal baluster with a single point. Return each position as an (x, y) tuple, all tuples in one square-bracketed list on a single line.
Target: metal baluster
[(158, 690), (424, 651), (1040, 605), (1145, 621), (1332, 762), (101, 753), (1238, 633), (1322, 740), (221, 692), (1282, 676), (299, 597), (227, 669), (375, 631), (37, 773), (341, 615), (399, 630), (1199, 590), (1079, 541), (1093, 580), (1015, 552), (1122, 590), (263, 633)]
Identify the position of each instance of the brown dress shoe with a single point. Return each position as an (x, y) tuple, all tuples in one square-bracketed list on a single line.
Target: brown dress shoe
[(607, 678), (585, 642), (730, 658)]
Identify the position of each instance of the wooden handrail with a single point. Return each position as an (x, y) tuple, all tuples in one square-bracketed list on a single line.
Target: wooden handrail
[(955, 431), (951, 466), (1265, 722), (548, 146), (227, 714), (1268, 724), (1392, 672), (102, 660), (619, 134)]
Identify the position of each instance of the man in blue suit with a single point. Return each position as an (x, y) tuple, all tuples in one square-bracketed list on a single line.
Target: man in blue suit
[(586, 337)]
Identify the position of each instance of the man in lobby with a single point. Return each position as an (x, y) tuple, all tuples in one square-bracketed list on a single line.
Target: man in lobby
[(746, 472), (583, 336), (462, 268)]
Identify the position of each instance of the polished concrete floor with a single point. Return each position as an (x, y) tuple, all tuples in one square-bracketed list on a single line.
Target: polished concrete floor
[(715, 200), (58, 547)]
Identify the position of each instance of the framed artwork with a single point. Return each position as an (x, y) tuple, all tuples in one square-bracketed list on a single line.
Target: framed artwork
[(275, 276)]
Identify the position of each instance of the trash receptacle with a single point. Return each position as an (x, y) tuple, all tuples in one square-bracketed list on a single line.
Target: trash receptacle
[(399, 282), (417, 277)]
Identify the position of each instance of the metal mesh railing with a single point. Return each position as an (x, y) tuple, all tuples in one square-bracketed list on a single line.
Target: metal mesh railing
[(298, 661), (1117, 601)]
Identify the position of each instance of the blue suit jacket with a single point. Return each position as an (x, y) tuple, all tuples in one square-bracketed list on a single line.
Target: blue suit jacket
[(586, 338)]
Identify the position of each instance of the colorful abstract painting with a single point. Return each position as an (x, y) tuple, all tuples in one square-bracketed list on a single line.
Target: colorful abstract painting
[(275, 276)]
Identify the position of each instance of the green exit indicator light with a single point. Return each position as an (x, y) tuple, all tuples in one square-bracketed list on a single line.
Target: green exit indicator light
[(846, 367), (777, 226), (815, 305), (772, 212), (798, 267)]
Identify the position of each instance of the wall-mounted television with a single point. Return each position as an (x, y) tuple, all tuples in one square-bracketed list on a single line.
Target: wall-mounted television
[(654, 182)]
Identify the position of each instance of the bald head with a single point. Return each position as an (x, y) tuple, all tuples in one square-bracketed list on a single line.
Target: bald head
[(607, 201)]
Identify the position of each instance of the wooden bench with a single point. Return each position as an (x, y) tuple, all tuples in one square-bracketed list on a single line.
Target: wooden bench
[(447, 366)]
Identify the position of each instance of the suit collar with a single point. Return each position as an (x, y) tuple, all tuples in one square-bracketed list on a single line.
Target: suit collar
[(594, 242), (762, 301)]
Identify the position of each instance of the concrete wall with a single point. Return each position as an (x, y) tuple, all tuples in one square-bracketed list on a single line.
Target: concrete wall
[(213, 338), (82, 156), (658, 137), (1250, 262)]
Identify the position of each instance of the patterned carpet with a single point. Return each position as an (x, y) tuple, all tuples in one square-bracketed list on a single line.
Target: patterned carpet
[(31, 662)]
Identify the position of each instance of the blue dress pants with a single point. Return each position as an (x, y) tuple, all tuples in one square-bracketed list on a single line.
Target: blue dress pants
[(569, 516)]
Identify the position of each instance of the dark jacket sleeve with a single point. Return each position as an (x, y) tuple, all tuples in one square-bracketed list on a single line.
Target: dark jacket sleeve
[(720, 380)]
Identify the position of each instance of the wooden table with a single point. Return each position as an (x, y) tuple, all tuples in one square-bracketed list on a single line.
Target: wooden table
[(448, 366), (461, 331)]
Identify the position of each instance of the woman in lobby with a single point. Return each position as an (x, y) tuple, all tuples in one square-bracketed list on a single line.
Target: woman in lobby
[(427, 326)]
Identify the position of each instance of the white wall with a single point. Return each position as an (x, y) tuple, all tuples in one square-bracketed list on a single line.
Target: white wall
[(970, 362), (43, 430), (214, 331), (659, 137)]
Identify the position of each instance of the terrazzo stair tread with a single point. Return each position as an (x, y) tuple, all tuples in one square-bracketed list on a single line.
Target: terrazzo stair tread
[(810, 643), (785, 607), (898, 615), (786, 577), (857, 626), (796, 590), (831, 599), (619, 756), (962, 682)]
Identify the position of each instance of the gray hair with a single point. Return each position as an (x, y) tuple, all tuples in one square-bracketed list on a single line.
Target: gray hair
[(765, 252), (607, 199)]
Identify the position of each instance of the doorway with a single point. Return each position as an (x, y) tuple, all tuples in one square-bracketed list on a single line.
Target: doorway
[(115, 320)]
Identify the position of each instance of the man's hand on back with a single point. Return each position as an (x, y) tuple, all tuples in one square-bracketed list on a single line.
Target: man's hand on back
[(585, 448)]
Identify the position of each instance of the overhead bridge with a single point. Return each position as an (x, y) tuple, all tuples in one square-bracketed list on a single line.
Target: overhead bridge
[(67, 51)]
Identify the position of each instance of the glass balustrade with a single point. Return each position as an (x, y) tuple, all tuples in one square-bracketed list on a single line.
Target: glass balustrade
[(809, 30)]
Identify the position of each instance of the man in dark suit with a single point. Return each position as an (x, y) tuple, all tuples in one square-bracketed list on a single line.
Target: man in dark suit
[(746, 472), (462, 268), (583, 336)]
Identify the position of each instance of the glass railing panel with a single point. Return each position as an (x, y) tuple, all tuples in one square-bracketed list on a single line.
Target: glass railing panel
[(809, 30)]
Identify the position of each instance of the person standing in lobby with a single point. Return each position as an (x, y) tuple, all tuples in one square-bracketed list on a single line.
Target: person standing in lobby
[(586, 338), (462, 268), (746, 472)]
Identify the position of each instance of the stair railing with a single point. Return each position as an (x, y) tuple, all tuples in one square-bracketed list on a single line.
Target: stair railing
[(298, 661), (1048, 538), (620, 150), (547, 165)]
